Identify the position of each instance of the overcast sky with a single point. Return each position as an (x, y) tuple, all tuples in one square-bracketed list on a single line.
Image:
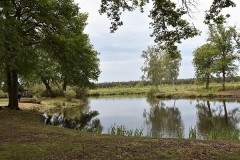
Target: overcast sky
[(120, 58)]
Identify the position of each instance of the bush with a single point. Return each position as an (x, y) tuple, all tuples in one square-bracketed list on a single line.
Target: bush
[(70, 94), (58, 92), (2, 94), (81, 93), (35, 91), (152, 92)]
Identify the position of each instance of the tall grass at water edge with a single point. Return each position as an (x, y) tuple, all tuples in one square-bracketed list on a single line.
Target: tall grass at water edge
[(123, 131), (193, 133)]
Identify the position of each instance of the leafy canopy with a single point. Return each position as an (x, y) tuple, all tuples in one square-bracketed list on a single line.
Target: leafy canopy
[(168, 23)]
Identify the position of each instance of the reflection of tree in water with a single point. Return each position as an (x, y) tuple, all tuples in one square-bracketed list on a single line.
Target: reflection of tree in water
[(218, 119), (163, 120), (75, 117)]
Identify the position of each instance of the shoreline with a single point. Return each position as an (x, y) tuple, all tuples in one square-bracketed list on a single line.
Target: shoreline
[(24, 136)]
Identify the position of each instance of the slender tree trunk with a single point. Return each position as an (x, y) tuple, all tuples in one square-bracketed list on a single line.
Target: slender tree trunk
[(12, 81), (223, 79), (64, 87), (48, 87), (207, 81)]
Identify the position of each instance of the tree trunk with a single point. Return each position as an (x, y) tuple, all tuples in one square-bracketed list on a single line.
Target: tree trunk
[(49, 89), (223, 79), (64, 87), (12, 81), (207, 81)]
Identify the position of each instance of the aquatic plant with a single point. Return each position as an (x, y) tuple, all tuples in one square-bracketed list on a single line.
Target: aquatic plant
[(192, 133), (156, 134), (123, 131), (223, 135), (180, 134)]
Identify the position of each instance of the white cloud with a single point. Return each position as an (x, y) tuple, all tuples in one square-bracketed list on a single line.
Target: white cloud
[(121, 52)]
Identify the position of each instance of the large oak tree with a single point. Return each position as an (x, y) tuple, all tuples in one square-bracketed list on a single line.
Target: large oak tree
[(53, 26)]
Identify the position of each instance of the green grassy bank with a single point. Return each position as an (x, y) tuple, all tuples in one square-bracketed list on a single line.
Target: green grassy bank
[(178, 91), (23, 136)]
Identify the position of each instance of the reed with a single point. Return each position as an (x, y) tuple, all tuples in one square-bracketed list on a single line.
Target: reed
[(192, 133), (123, 131)]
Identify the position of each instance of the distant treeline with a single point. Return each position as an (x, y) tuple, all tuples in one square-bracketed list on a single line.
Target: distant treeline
[(147, 83)]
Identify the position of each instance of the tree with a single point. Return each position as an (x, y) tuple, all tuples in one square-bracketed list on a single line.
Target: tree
[(223, 39), (203, 61), (153, 66), (171, 64), (160, 65), (169, 26), (28, 26)]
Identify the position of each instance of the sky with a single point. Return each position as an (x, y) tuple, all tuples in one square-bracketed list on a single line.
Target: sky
[(120, 52)]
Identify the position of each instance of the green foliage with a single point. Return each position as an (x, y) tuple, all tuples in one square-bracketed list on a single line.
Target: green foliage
[(169, 26), (223, 40), (70, 94), (140, 84), (45, 39), (2, 94), (119, 91), (153, 66), (156, 134), (160, 65), (58, 92), (95, 126), (171, 64), (213, 15), (203, 61), (169, 91), (152, 92), (35, 90), (81, 92), (122, 131), (192, 133), (223, 135)]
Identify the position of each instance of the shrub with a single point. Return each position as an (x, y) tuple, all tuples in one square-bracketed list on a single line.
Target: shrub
[(152, 92), (2, 94), (70, 94), (58, 92), (35, 91), (81, 93)]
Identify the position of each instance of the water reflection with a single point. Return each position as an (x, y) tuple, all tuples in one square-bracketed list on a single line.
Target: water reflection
[(165, 121), (158, 117), (217, 118), (75, 117)]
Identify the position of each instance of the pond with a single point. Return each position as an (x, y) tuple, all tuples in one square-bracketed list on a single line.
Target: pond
[(169, 118)]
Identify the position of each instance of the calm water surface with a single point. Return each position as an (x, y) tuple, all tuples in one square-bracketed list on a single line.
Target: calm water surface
[(169, 118)]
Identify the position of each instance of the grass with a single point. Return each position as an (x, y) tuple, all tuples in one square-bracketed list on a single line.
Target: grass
[(23, 136), (178, 91), (119, 91), (192, 133), (223, 135), (123, 131)]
